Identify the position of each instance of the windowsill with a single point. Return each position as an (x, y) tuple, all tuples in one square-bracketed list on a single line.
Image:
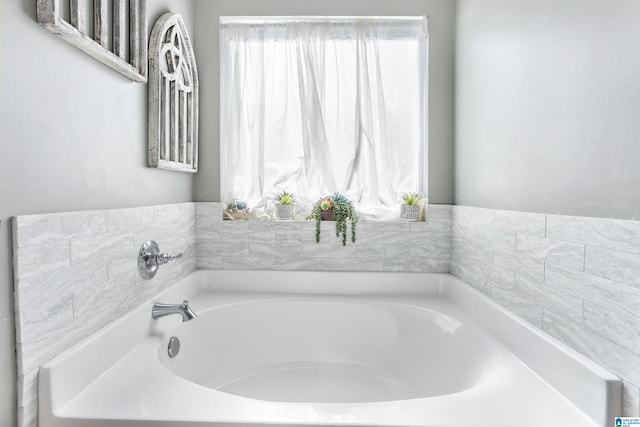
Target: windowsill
[(440, 214), (302, 220)]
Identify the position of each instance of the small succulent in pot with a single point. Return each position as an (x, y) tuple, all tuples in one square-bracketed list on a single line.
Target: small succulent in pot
[(238, 209), (326, 209), (284, 205), (410, 209), (335, 208)]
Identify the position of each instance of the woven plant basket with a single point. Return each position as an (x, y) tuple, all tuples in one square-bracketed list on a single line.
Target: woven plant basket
[(237, 214)]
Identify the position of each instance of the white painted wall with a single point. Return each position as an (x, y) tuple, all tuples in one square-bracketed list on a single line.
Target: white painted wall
[(441, 15), (72, 137), (546, 118), (548, 106)]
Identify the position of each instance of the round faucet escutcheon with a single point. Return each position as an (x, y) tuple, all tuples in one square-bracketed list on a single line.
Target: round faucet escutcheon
[(150, 259)]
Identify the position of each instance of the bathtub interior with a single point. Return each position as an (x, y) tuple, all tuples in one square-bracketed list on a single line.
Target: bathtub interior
[(333, 350)]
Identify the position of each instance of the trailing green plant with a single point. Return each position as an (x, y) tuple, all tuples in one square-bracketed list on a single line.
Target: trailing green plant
[(284, 198), (338, 208), (412, 199)]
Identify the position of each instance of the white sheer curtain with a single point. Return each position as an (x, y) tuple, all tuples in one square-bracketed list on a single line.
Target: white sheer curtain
[(319, 105)]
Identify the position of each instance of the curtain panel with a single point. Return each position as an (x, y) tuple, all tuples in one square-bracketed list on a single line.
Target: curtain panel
[(318, 105)]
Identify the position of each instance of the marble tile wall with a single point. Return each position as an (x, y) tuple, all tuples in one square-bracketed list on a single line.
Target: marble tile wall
[(75, 272), (576, 278), (290, 245)]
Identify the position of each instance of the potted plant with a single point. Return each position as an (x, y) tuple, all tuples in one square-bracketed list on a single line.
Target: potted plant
[(335, 208), (238, 209), (410, 209), (284, 205)]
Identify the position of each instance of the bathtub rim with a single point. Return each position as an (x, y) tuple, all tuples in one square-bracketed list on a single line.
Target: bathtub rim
[(558, 365)]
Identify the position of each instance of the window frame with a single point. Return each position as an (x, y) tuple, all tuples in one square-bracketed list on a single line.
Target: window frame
[(396, 29)]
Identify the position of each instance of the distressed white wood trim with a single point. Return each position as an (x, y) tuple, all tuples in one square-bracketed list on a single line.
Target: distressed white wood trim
[(100, 22), (74, 32), (135, 36), (173, 97), (77, 15), (119, 28)]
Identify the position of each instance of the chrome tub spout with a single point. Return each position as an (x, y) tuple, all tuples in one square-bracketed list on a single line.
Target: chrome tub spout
[(160, 310)]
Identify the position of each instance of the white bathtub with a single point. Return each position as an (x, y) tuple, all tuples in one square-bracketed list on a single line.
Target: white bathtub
[(308, 348)]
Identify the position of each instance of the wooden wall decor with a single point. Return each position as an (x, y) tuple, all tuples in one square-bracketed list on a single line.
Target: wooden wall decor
[(173, 97), (117, 39)]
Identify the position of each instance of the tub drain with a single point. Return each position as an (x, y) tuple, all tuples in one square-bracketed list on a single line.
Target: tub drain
[(174, 347)]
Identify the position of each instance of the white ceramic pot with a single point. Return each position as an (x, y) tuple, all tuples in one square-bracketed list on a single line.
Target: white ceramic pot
[(284, 211), (410, 212)]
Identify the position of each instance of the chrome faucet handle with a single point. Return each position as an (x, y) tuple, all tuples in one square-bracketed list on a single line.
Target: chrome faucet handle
[(164, 258), (150, 258)]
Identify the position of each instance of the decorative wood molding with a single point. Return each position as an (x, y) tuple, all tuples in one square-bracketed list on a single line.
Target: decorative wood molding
[(107, 46), (173, 97)]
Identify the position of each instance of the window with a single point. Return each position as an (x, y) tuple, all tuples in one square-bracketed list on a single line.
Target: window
[(319, 105)]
